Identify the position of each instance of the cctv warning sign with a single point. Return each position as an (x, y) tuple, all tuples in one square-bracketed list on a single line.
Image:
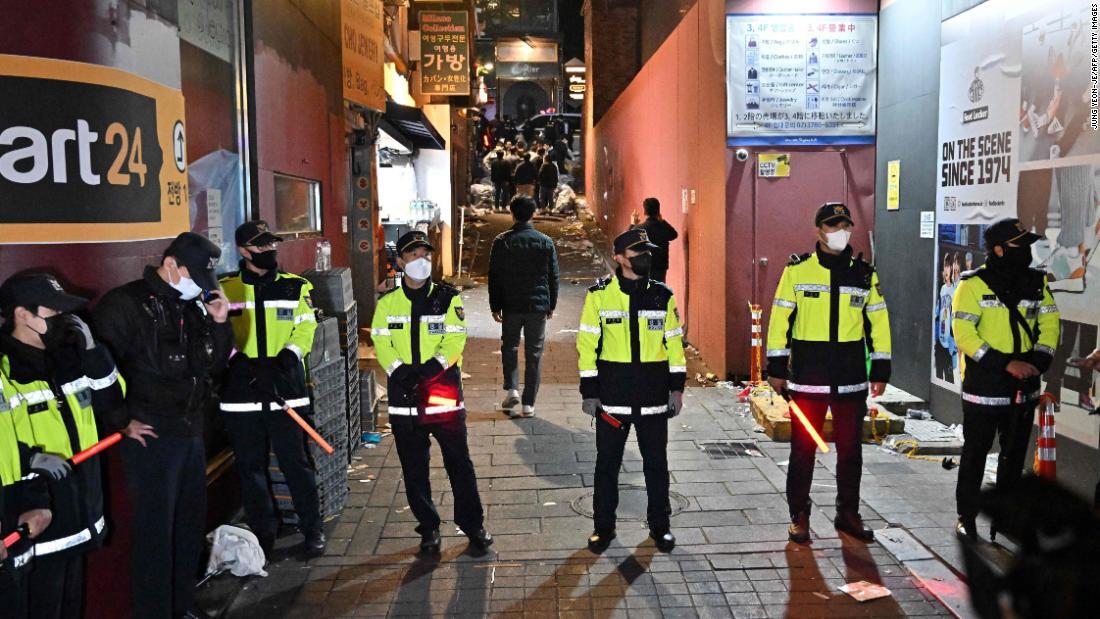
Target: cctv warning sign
[(89, 154)]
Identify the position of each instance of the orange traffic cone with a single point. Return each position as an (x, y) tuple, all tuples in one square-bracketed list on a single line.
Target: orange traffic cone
[(1045, 457)]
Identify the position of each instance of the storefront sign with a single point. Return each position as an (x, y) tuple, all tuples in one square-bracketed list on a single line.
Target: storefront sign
[(530, 50), (893, 184), (444, 53), (1016, 96), (209, 25), (362, 58), (89, 153), (774, 165), (801, 79)]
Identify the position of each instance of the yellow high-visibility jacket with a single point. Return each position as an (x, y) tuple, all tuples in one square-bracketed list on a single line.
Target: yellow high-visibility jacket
[(20, 490), (989, 338), (828, 315), (631, 346), (423, 333)]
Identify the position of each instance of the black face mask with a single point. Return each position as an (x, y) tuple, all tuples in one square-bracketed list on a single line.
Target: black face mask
[(56, 335), (641, 264), (266, 260), (1016, 258)]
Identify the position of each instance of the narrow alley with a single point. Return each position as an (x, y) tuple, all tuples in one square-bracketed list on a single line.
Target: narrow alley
[(536, 477)]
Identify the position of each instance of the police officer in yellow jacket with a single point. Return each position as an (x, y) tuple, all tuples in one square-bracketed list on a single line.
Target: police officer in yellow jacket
[(632, 368), (58, 379), (273, 325), (419, 333), (24, 505), (827, 318), (1006, 325)]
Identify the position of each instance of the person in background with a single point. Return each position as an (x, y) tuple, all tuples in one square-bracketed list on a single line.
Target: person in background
[(169, 332), (59, 379), (1006, 325), (523, 293), (500, 173), (559, 152), (419, 333), (525, 176), (1091, 363), (661, 233), (273, 324), (548, 182)]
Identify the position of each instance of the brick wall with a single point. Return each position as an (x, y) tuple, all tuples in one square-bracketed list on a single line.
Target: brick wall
[(611, 50)]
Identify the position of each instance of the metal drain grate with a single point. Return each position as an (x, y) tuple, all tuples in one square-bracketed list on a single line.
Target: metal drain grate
[(720, 450), (633, 503)]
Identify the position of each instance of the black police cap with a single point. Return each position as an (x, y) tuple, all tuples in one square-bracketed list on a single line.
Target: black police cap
[(38, 290), (832, 213), (200, 255), (1008, 230), (634, 238), (413, 239), (255, 233)]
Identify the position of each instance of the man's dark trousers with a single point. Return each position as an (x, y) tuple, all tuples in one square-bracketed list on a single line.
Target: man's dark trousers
[(848, 414), (980, 424), (500, 194), (250, 433), (413, 448), (167, 485), (533, 327), (652, 433)]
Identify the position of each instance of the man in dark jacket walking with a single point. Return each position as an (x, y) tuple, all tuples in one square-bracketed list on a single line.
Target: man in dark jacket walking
[(548, 182), (523, 293), (660, 233), (169, 333), (500, 172)]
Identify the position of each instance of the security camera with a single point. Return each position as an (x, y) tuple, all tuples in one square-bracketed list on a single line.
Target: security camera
[(742, 155)]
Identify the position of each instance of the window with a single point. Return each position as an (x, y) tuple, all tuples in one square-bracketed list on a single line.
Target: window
[(297, 204)]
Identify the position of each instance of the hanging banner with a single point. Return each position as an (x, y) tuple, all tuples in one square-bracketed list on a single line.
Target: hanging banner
[(89, 154), (1015, 140), (362, 36), (444, 53), (801, 79)]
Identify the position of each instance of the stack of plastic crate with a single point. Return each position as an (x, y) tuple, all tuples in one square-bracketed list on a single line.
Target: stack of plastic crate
[(349, 348)]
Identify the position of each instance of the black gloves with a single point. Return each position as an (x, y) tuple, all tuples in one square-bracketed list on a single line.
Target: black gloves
[(431, 369), (406, 376), (286, 360)]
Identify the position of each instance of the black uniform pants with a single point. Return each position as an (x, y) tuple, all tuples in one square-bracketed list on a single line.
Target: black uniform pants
[(980, 425), (167, 485), (413, 447), (13, 593), (652, 435), (251, 434), (533, 327), (848, 414), (56, 586)]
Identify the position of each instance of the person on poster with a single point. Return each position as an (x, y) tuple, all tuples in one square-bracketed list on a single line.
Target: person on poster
[(1006, 324)]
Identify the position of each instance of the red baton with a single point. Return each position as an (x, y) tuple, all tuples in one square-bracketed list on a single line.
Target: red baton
[(615, 423), (94, 449), (305, 426), (16, 535)]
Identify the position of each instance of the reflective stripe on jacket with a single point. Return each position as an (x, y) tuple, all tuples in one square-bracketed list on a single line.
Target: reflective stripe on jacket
[(631, 346), (828, 317)]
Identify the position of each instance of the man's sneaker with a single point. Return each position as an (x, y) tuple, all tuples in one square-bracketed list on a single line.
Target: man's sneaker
[(315, 543), (429, 542), (664, 540), (852, 524), (528, 410), (599, 541), (799, 530), (511, 401), (481, 539), (966, 528)]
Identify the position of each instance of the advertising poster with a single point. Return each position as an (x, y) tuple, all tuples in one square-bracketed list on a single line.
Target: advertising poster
[(362, 54), (1015, 141), (444, 53), (89, 154), (801, 79)]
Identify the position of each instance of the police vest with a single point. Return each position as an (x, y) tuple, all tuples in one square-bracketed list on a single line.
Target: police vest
[(268, 314), (824, 324), (631, 347), (60, 420), (988, 338), (13, 452), (411, 334)]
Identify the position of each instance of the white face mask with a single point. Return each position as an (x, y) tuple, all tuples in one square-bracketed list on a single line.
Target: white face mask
[(186, 286), (838, 240), (419, 269)]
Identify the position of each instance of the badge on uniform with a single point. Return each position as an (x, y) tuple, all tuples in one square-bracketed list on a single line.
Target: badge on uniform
[(84, 398), (284, 313), (655, 324), (397, 325), (614, 321), (38, 408), (857, 301), (436, 327), (460, 312), (811, 294)]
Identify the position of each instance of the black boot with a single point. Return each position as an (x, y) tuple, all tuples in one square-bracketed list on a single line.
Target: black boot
[(315, 543), (852, 524), (966, 528), (799, 530), (481, 539), (664, 540), (600, 540), (429, 542)]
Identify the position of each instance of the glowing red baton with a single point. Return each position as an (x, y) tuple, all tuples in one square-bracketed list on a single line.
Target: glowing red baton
[(438, 400), (809, 427), (305, 426), (94, 449), (16, 535)]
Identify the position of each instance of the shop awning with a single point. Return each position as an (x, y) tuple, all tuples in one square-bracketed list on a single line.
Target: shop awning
[(414, 125)]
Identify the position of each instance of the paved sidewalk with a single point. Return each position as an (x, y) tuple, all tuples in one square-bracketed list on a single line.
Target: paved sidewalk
[(536, 477)]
